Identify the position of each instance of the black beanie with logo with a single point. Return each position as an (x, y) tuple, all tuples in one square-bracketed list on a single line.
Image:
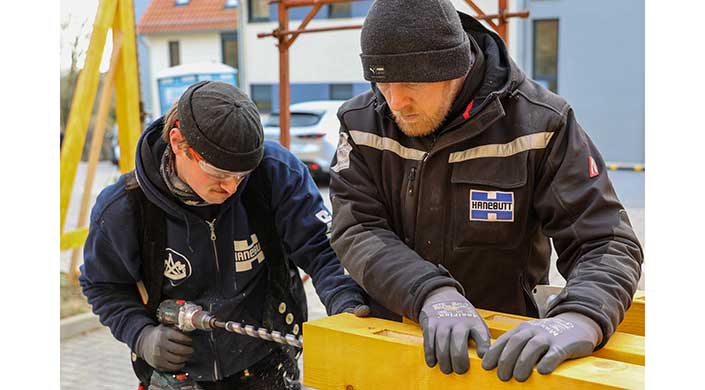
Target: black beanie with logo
[(414, 41), (222, 124)]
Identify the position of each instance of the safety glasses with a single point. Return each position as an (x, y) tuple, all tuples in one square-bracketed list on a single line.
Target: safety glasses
[(214, 172), (210, 170)]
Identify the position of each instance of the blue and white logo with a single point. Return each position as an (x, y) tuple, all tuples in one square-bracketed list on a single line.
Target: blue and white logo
[(491, 206)]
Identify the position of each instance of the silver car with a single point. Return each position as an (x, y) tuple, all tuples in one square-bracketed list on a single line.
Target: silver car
[(314, 133)]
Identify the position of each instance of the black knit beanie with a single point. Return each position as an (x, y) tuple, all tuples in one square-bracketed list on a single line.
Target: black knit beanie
[(222, 124), (413, 41)]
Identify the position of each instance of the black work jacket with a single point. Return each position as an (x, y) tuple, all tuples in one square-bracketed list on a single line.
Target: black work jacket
[(480, 198)]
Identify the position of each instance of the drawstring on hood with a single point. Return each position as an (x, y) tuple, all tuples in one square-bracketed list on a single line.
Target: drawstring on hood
[(178, 187)]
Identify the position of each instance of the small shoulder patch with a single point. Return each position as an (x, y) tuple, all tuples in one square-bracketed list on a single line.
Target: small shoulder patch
[(342, 154)]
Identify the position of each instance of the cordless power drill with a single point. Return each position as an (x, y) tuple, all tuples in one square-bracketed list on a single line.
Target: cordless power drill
[(187, 316), (178, 314)]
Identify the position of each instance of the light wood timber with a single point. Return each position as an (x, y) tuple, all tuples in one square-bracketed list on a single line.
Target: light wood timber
[(622, 347), (118, 15), (634, 318), (106, 94), (127, 93), (82, 104), (347, 352)]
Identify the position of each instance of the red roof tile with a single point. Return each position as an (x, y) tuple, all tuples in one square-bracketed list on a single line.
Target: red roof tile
[(199, 15)]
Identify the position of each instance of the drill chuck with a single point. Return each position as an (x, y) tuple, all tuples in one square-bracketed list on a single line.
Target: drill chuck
[(184, 315)]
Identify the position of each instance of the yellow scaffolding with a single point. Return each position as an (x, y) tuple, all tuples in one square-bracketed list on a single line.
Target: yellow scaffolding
[(117, 15)]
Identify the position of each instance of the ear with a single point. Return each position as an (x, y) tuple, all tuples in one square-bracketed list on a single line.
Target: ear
[(176, 138)]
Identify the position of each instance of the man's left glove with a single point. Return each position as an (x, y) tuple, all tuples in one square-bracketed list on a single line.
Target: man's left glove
[(350, 300), (360, 310), (548, 342)]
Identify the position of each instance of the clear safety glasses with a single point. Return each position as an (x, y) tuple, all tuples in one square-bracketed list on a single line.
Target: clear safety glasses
[(217, 173)]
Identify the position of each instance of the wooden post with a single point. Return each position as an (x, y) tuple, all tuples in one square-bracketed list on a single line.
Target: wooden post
[(98, 133), (120, 16), (83, 99), (127, 87)]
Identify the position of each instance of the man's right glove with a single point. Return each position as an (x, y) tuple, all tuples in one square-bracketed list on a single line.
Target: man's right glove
[(447, 319), (164, 348)]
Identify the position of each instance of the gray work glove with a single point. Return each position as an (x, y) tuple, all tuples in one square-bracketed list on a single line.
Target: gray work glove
[(447, 319), (360, 310), (547, 342), (164, 348)]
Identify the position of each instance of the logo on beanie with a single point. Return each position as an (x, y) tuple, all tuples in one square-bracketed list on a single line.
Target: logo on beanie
[(377, 71), (176, 267), (246, 253)]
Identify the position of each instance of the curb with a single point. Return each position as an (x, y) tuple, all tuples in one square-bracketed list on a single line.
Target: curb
[(75, 325)]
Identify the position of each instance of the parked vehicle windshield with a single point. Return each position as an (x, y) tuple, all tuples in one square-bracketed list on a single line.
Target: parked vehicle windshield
[(298, 119)]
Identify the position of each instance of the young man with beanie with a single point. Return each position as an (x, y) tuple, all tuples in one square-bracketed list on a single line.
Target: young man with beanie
[(450, 177), (216, 216)]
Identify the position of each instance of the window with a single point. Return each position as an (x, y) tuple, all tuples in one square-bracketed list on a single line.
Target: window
[(341, 91), (229, 48), (546, 53), (259, 10), (231, 3), (262, 96), (340, 10), (174, 55), (181, 2)]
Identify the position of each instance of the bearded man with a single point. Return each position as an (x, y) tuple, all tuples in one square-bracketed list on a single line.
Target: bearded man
[(455, 163)]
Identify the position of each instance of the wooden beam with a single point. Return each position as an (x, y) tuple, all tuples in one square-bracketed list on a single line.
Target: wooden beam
[(82, 105), (346, 352), (73, 239), (127, 94), (634, 318), (622, 347), (106, 95)]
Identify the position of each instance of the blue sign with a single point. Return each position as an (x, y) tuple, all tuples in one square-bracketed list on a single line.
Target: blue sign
[(491, 206), (171, 88)]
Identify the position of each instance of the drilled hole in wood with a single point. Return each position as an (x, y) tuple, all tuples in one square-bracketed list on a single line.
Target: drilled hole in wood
[(400, 336)]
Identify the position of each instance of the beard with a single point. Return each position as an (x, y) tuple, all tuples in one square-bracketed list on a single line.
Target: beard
[(424, 124)]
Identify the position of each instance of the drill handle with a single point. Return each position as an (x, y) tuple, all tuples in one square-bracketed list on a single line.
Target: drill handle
[(168, 312)]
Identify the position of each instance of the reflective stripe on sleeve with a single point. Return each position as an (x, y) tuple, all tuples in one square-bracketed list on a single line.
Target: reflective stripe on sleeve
[(521, 144), (388, 144)]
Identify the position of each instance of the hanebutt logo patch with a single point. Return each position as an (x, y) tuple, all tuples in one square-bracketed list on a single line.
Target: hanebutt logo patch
[(246, 253), (491, 206), (177, 268)]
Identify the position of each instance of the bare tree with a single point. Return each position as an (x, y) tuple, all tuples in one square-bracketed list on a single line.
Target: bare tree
[(69, 78)]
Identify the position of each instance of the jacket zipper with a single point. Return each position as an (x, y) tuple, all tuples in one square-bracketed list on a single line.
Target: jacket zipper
[(413, 183), (412, 177), (216, 371), (522, 280)]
